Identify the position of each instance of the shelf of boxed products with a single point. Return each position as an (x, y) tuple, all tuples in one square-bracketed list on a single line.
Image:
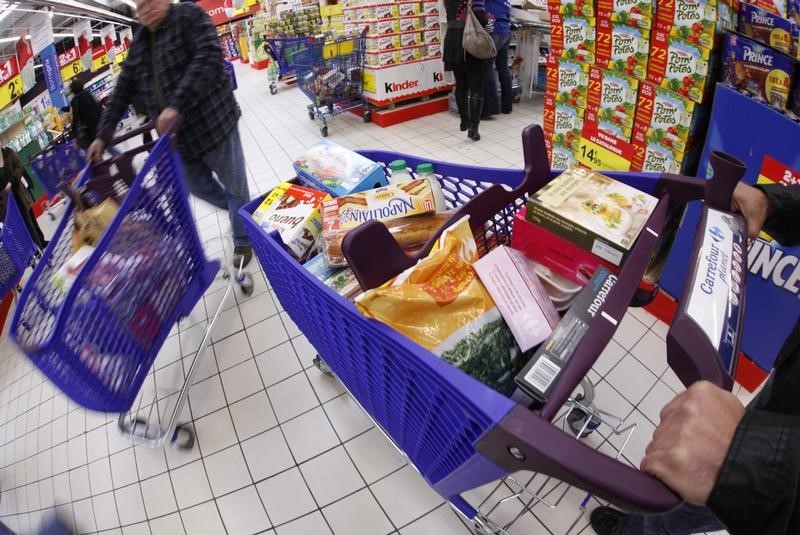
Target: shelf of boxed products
[(643, 74), (403, 49)]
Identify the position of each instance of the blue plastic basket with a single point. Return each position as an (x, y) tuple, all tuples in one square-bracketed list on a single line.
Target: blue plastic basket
[(17, 248), (58, 164), (97, 340), (434, 412), (283, 49)]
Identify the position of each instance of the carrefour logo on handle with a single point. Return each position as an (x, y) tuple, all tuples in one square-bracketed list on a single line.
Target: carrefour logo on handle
[(716, 234)]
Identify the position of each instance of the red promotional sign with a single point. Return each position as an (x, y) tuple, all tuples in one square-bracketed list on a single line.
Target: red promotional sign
[(221, 11), (68, 57), (8, 70), (24, 52), (773, 171)]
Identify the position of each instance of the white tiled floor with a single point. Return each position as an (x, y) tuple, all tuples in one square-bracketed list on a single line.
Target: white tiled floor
[(281, 449)]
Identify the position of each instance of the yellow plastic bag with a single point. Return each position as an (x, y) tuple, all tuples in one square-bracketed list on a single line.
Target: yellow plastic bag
[(441, 304)]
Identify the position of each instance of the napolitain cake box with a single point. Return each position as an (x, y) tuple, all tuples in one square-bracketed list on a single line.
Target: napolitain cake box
[(593, 211)]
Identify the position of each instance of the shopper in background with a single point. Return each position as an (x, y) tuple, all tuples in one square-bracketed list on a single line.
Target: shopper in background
[(13, 173), (468, 70), (175, 65), (736, 468), (492, 105)]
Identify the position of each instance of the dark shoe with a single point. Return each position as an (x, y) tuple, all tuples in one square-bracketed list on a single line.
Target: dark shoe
[(463, 112), (474, 105), (473, 133), (243, 254), (605, 520), (506, 112), (464, 123)]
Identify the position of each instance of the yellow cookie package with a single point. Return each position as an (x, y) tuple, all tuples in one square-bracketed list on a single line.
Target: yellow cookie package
[(441, 304)]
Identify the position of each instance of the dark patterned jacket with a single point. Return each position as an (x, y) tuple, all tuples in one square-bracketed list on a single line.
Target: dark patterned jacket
[(179, 65)]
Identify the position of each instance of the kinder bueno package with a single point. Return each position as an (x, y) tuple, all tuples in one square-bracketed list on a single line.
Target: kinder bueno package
[(692, 20), (410, 39), (632, 13), (611, 101), (384, 27), (757, 69), (383, 42), (338, 170), (622, 48), (382, 204), (666, 116), (431, 36), (430, 8), (569, 79), (573, 37), (293, 211), (767, 28), (595, 212), (572, 8), (680, 66), (387, 11)]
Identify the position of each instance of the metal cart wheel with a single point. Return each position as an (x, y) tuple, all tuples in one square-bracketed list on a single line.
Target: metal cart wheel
[(245, 281), (183, 438), (367, 116), (131, 425), (311, 115), (577, 419), (273, 89), (324, 131), (322, 366)]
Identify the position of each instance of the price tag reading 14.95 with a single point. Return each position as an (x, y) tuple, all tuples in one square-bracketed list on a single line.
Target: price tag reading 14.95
[(603, 152)]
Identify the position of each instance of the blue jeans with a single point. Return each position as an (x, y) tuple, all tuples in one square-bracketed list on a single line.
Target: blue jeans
[(491, 105), (684, 520), (228, 189)]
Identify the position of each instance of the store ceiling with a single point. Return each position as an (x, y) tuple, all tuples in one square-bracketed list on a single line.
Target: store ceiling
[(15, 18)]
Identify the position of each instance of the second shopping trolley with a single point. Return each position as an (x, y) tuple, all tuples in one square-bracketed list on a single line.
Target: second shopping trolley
[(330, 71), (282, 51), (17, 248), (94, 325)]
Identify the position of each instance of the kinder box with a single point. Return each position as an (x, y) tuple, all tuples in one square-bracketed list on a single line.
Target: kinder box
[(597, 213), (511, 280), (294, 211), (543, 370), (338, 170), (554, 252), (680, 66)]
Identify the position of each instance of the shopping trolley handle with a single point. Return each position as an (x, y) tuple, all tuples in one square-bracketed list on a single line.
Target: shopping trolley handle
[(523, 440)]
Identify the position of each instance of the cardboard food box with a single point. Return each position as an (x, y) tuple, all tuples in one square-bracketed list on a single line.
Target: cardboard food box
[(431, 36), (409, 9), (562, 122), (387, 11), (383, 204), (432, 22), (666, 116), (611, 101), (388, 58), (512, 282), (294, 211), (338, 170), (654, 156), (569, 79), (410, 39), (573, 37), (680, 66), (767, 28), (430, 8), (692, 20), (383, 42), (576, 8), (410, 54), (543, 370), (632, 13), (341, 280), (788, 9), (759, 70), (557, 254), (597, 213), (622, 48), (562, 157), (383, 27)]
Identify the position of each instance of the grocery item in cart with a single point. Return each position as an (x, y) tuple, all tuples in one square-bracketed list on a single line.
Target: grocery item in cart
[(441, 304), (69, 271), (294, 211), (92, 222), (341, 280), (543, 369), (596, 212), (412, 198), (338, 170), (512, 281), (410, 232)]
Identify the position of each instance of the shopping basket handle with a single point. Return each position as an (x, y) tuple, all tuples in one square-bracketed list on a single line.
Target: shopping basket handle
[(523, 440), (375, 256)]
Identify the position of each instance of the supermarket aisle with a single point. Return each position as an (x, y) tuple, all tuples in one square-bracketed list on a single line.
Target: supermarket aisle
[(281, 448)]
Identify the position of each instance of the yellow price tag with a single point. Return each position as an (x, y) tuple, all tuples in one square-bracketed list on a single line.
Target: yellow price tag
[(603, 152), (70, 71), (368, 82), (121, 57), (99, 63), (11, 91)]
